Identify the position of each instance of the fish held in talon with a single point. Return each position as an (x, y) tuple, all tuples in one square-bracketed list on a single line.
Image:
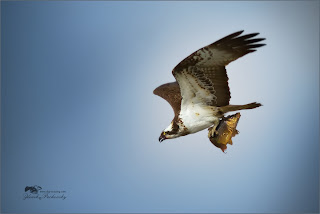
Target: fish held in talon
[(226, 130)]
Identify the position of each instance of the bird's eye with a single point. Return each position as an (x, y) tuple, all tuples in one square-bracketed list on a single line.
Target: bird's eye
[(164, 133)]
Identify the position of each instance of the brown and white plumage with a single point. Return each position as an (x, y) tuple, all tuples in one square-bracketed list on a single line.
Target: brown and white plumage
[(201, 95), (171, 93)]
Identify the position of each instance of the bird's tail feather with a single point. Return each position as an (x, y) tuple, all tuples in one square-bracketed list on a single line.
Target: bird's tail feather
[(228, 108)]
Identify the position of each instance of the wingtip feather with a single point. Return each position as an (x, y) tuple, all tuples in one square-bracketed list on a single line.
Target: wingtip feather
[(240, 32)]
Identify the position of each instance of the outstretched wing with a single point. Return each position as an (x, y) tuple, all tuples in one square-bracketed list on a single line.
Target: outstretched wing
[(202, 75), (171, 93)]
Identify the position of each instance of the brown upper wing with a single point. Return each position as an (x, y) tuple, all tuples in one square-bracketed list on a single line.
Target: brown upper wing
[(223, 51), (204, 70), (171, 93)]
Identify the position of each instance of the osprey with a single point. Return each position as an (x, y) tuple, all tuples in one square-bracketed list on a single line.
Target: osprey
[(200, 96)]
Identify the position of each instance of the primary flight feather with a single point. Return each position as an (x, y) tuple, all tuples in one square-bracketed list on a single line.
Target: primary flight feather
[(200, 96)]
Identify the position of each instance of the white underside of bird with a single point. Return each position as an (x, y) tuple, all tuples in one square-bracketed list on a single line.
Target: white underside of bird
[(195, 114), (197, 117)]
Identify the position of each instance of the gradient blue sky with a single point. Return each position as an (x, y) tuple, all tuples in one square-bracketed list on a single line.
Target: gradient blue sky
[(78, 113)]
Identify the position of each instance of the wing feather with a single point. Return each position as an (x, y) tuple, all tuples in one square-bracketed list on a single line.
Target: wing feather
[(171, 93), (204, 85), (202, 75), (222, 52)]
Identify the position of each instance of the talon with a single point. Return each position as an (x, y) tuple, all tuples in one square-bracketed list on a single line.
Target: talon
[(212, 132), (213, 129)]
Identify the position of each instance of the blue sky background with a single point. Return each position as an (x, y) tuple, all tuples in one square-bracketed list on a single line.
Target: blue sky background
[(78, 113)]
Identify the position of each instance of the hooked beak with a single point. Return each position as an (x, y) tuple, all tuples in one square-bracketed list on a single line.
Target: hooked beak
[(162, 138)]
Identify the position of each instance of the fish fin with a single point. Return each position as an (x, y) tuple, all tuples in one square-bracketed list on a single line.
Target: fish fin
[(219, 145), (235, 132)]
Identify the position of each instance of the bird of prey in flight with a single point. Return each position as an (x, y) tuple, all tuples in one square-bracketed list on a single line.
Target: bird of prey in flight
[(200, 96)]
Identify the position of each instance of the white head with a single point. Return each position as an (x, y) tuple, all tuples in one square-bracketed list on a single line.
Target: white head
[(172, 131)]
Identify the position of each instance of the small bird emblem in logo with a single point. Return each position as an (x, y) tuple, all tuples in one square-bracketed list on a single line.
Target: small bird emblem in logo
[(33, 189)]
